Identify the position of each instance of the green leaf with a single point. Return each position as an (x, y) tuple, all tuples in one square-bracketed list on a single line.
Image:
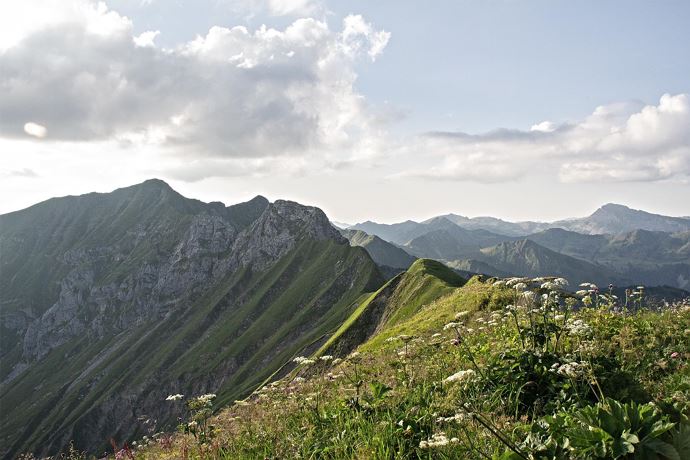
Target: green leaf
[(663, 448)]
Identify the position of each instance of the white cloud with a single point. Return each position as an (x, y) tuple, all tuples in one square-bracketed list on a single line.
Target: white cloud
[(544, 127), (35, 130), (616, 143), (146, 38), (231, 93)]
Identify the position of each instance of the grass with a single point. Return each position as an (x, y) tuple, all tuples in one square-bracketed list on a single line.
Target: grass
[(393, 399)]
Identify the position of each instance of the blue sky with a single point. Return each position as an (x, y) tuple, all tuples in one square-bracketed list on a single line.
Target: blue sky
[(510, 101)]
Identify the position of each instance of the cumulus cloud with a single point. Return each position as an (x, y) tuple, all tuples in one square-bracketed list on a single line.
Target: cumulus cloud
[(230, 93), (617, 142)]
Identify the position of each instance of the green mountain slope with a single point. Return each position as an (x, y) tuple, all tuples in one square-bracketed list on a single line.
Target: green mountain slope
[(146, 293), (397, 301), (527, 258), (383, 252)]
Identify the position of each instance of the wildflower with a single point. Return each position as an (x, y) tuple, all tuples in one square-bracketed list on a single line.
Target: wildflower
[(391, 339), (675, 355), (303, 361), (174, 397), (520, 286), (529, 296), (579, 328), (207, 397), (461, 416), (572, 370), (461, 315), (499, 283), (464, 376), (582, 292), (337, 361), (550, 286), (326, 358), (559, 317), (438, 334), (437, 440), (451, 325)]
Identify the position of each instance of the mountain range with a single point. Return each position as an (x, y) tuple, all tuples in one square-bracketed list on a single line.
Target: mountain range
[(109, 302), (613, 245)]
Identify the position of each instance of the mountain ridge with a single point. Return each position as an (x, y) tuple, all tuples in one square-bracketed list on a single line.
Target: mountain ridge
[(108, 305)]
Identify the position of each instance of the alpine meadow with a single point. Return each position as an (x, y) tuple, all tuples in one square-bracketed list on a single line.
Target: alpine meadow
[(310, 229)]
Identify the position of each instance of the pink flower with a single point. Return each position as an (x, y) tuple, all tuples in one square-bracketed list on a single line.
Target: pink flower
[(675, 355)]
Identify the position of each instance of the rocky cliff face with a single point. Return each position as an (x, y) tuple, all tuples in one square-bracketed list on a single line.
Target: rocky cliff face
[(143, 285)]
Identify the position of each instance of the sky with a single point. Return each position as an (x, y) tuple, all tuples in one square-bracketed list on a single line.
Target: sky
[(387, 110)]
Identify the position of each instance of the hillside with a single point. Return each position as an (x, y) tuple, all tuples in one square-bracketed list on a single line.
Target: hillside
[(383, 252), (527, 258), (463, 376), (397, 301), (109, 302)]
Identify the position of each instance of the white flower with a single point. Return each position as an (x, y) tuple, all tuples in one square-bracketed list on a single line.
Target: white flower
[(529, 296), (207, 397), (461, 315), (464, 376), (572, 370), (550, 286), (437, 440), (451, 325), (326, 358), (303, 360), (438, 334), (579, 328), (174, 397), (499, 283), (582, 292), (520, 286)]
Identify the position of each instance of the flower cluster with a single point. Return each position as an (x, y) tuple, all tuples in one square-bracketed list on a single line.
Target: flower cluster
[(437, 440), (176, 397), (573, 369), (579, 328)]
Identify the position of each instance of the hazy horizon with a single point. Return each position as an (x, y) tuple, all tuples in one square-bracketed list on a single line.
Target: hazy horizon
[(373, 219)]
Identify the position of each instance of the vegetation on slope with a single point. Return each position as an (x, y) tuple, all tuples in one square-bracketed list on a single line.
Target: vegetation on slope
[(396, 301), (504, 370)]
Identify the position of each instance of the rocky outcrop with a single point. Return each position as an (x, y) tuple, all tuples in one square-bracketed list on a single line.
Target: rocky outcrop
[(148, 293)]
